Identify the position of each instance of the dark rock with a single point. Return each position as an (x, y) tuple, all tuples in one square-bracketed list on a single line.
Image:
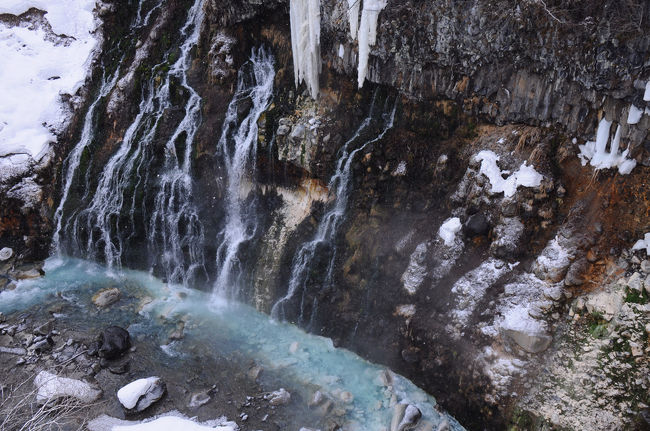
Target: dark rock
[(113, 342), (120, 368), (476, 225), (411, 354)]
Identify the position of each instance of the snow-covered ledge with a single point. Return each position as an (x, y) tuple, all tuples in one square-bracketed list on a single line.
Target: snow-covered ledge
[(41, 60)]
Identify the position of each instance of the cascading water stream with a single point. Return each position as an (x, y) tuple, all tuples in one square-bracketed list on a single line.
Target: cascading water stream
[(325, 237), (237, 149), (174, 231)]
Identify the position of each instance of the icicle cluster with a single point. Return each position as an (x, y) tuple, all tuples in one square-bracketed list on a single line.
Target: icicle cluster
[(305, 38), (305, 42), (367, 32)]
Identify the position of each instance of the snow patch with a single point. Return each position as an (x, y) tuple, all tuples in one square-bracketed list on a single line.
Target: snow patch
[(646, 95), (50, 387), (526, 176), (416, 270), (131, 393), (643, 243), (449, 229), (42, 68), (171, 421), (596, 153), (305, 43)]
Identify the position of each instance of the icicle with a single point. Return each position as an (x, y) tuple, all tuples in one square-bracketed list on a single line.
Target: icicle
[(305, 43), (353, 17), (368, 34)]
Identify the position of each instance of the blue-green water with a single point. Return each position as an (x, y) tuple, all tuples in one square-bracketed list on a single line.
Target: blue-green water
[(150, 307)]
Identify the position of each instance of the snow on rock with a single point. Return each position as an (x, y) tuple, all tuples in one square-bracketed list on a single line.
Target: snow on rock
[(400, 170), (38, 66), (416, 270), (471, 288), (171, 421), (646, 95), (50, 387), (597, 154), (643, 243), (141, 393), (553, 262), (634, 116), (449, 229), (305, 43), (368, 34), (526, 176)]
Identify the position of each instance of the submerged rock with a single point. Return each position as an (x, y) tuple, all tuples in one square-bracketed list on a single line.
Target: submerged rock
[(141, 393), (199, 399), (106, 297), (5, 254), (113, 342), (279, 397)]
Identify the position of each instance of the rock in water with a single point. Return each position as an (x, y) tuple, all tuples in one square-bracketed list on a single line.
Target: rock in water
[(106, 297), (113, 342), (405, 416), (279, 397), (199, 399), (411, 417), (141, 393), (50, 387), (5, 254)]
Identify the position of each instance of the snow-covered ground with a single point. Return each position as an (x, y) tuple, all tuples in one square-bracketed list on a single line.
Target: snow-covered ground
[(40, 62)]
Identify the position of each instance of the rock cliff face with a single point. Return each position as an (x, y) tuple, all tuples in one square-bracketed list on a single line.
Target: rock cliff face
[(438, 220)]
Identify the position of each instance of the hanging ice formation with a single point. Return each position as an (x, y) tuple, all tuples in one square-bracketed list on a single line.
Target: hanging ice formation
[(367, 33), (596, 153), (305, 38), (305, 43)]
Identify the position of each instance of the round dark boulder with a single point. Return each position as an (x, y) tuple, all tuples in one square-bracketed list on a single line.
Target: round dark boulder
[(113, 342), (476, 225)]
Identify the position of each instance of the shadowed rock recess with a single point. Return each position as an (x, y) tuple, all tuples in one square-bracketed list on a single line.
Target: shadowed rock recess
[(474, 216)]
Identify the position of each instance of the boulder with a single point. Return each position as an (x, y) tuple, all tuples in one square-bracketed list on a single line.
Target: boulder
[(635, 282), (279, 397), (5, 254), (50, 387), (476, 225), (106, 297), (113, 342), (141, 393), (606, 302)]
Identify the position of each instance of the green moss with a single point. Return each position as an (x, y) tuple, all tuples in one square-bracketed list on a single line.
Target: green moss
[(636, 297), (597, 325)]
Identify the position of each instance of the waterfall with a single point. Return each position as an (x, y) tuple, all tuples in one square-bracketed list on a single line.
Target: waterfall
[(73, 161), (174, 232), (324, 241), (237, 148)]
